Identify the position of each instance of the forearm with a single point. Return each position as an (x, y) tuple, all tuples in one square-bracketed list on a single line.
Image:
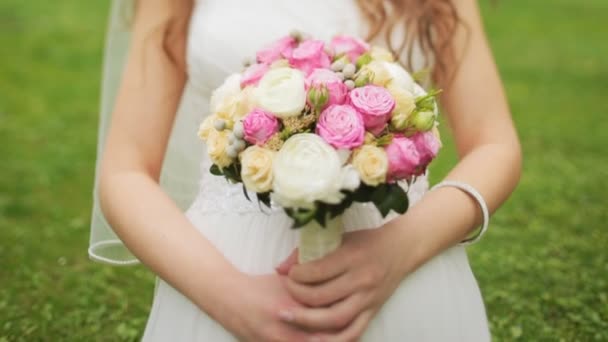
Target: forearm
[(446, 216), (161, 236), (146, 219)]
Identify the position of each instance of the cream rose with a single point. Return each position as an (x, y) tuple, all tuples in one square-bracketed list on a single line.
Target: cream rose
[(207, 126), (256, 168), (217, 143), (235, 107), (372, 164), (405, 103), (381, 54), (282, 92), (381, 75), (307, 169)]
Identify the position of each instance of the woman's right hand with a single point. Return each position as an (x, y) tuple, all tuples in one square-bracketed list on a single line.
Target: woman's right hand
[(252, 310)]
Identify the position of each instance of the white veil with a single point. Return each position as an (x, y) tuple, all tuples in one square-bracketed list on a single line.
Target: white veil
[(180, 173)]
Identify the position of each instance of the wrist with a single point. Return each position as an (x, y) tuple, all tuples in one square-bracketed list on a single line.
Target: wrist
[(220, 289), (410, 253), (441, 219)]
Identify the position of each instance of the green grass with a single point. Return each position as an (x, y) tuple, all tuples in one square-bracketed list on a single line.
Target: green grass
[(543, 268)]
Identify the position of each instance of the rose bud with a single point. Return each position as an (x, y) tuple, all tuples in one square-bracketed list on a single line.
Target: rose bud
[(318, 95), (363, 78), (423, 121)]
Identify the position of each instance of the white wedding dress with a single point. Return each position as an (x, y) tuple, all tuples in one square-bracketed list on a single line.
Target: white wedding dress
[(439, 302)]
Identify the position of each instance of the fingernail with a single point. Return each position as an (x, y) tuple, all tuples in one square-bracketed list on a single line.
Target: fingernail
[(286, 315)]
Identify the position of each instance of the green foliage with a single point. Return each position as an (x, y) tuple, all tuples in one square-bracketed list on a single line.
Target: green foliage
[(232, 173), (386, 197), (542, 267), (427, 102)]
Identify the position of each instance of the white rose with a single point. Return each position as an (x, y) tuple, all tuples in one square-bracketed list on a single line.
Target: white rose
[(256, 168), (281, 91), (350, 178), (229, 89), (307, 169), (399, 77)]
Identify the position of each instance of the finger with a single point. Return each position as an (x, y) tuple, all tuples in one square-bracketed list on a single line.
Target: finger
[(286, 333), (322, 294), (320, 270), (353, 332), (337, 316), (285, 266)]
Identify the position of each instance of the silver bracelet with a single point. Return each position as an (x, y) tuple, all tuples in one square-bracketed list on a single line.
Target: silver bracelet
[(482, 205)]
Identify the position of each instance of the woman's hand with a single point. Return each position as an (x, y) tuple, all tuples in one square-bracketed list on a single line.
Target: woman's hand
[(251, 310), (345, 289)]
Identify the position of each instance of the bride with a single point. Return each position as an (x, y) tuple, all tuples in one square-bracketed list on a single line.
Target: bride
[(227, 271)]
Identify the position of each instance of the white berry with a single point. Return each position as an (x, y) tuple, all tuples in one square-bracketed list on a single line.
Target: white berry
[(349, 70), (231, 151), (239, 145), (219, 125), (337, 65)]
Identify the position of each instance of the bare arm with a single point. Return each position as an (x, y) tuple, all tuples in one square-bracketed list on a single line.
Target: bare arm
[(149, 223), (487, 143), (144, 217)]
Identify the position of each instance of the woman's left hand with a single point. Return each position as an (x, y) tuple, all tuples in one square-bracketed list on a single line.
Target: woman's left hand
[(346, 288)]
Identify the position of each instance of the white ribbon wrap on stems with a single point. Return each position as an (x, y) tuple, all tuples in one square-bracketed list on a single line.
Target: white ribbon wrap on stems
[(317, 241)]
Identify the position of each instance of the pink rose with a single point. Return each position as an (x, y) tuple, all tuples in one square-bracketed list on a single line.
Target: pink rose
[(259, 126), (341, 126), (336, 88), (403, 158), (281, 48), (375, 105), (309, 55), (427, 146), (351, 46), (253, 74)]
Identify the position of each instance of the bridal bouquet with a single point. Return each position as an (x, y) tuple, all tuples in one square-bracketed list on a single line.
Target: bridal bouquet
[(312, 127)]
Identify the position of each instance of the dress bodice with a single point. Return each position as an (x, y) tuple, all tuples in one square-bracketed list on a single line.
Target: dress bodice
[(225, 33)]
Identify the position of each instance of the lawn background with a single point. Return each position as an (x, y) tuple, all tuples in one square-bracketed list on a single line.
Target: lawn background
[(543, 267)]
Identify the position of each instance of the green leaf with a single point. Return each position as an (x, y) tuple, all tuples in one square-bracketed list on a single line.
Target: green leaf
[(384, 140), (264, 198), (321, 214), (245, 193), (399, 198), (363, 194), (427, 102), (335, 210), (364, 59), (379, 198), (233, 173), (215, 170), (301, 216), (389, 197)]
